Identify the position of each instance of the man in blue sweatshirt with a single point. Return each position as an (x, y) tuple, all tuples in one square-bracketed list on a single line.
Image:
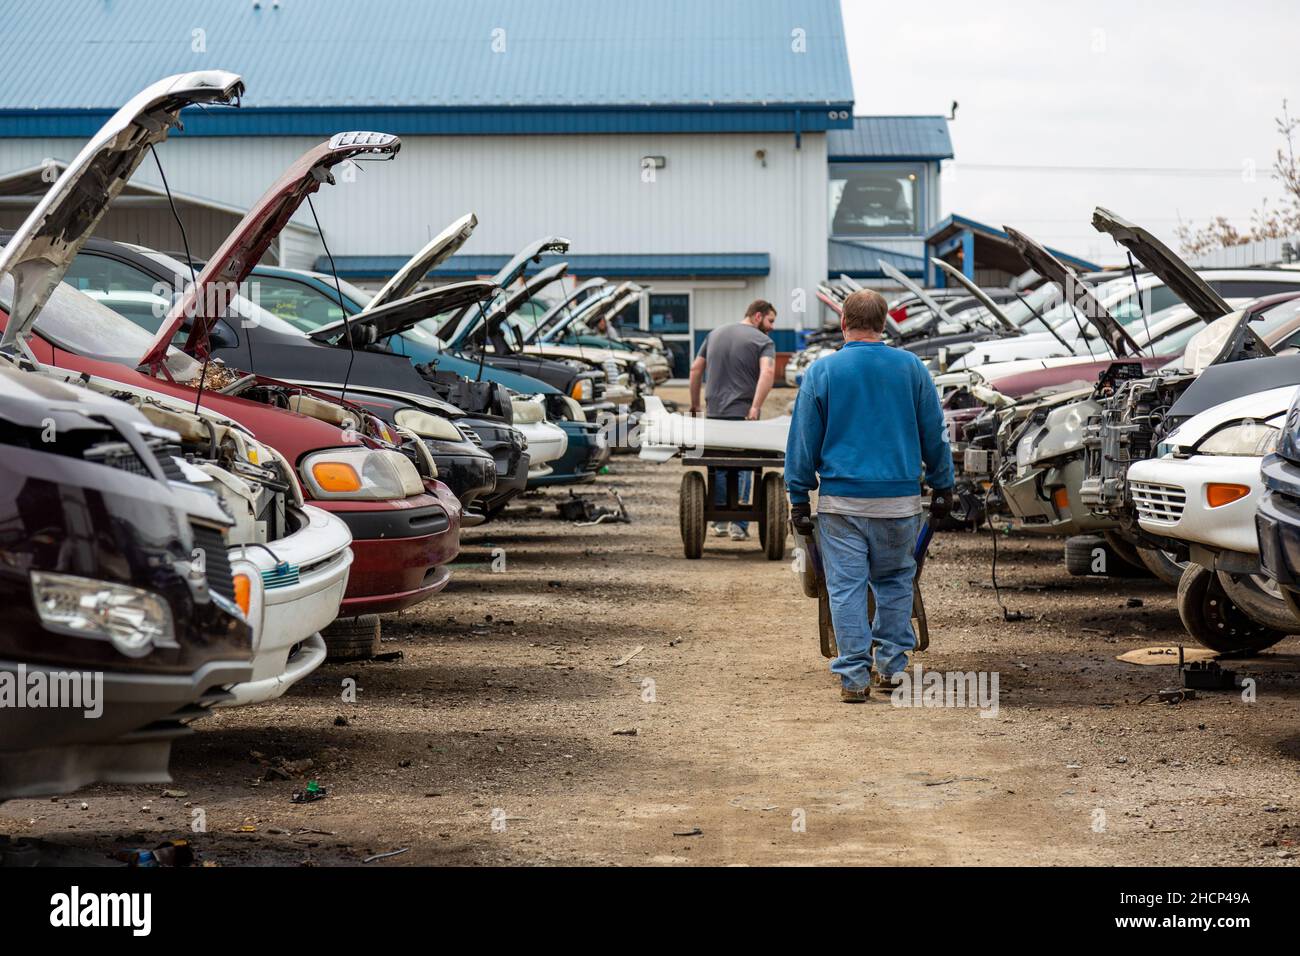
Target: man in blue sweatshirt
[(865, 420)]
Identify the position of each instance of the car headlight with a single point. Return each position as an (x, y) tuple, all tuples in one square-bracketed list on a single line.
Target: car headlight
[(582, 390), (527, 412), (133, 620), (428, 426), (360, 474), (1246, 438)]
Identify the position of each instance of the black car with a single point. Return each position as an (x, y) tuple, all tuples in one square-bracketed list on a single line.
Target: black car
[(1277, 519), (99, 582)]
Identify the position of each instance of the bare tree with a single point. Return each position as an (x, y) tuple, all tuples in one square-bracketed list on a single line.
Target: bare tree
[(1266, 222)]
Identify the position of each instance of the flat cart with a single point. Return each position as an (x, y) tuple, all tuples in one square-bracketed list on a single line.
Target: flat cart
[(767, 507)]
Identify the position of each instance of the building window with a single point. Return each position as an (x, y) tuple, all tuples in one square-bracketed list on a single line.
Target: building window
[(875, 199)]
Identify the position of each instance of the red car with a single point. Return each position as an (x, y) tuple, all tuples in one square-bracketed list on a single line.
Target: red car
[(405, 524)]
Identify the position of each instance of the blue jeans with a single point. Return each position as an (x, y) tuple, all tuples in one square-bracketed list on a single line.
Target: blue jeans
[(880, 552), (743, 487)]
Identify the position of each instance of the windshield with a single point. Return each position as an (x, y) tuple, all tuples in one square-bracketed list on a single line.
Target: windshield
[(1272, 321), (77, 323), (249, 313)]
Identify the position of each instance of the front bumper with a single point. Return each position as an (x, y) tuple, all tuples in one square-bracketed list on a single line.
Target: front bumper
[(467, 471), (1277, 521), (398, 553), (1046, 500), (587, 453), (304, 577), (1169, 495), (547, 443), (295, 664)]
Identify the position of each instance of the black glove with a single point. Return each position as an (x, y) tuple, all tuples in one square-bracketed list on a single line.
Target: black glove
[(801, 518), (940, 503)]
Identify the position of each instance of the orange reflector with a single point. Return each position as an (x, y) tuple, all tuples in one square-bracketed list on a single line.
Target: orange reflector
[(1061, 498), (243, 590), (1217, 495), (336, 476)]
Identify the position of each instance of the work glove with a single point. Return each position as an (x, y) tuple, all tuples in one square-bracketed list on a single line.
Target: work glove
[(801, 518), (940, 503)]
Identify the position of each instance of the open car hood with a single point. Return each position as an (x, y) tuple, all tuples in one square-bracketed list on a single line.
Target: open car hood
[(206, 300), (43, 247), (937, 312), (590, 310), (1157, 257), (513, 301), (980, 295), (556, 312), (439, 249), (533, 252), (1076, 293), (374, 325)]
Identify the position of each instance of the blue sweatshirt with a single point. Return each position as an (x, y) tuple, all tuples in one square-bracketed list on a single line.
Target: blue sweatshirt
[(864, 420)]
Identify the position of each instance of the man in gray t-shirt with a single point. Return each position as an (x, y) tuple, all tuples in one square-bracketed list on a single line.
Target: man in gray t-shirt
[(741, 361)]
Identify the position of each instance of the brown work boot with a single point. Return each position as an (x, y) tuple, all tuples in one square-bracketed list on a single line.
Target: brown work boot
[(881, 682), (850, 696)]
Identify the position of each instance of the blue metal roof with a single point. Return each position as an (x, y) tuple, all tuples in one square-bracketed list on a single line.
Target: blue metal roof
[(437, 66), (891, 137), (646, 266), (863, 261)]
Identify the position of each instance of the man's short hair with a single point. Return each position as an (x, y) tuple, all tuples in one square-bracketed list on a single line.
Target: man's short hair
[(759, 307), (865, 311)]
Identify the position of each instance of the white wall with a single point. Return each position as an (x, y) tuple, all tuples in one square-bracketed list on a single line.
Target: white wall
[(713, 196)]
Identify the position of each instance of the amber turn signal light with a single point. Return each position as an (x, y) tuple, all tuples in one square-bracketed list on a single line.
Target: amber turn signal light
[(243, 590), (1217, 495), (1061, 498), (336, 476)]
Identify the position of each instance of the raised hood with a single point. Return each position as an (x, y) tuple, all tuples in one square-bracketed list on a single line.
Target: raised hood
[(533, 252), (937, 311), (439, 249), (375, 325), (207, 299), (980, 295), (555, 312), (592, 308), (508, 306), (43, 247), (1076, 293), (1157, 257)]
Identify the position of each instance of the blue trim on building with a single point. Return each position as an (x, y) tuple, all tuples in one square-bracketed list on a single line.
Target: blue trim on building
[(642, 266), (787, 340)]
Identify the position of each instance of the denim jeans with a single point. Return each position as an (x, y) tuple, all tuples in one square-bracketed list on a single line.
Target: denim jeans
[(743, 487), (880, 552)]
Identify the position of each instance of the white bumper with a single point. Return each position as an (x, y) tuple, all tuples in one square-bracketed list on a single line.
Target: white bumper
[(303, 579), (546, 443), (1170, 498)]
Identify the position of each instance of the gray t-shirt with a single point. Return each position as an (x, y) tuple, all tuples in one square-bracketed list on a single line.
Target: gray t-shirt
[(733, 353), (904, 506)]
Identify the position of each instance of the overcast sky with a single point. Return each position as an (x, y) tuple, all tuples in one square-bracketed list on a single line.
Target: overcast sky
[(1187, 91)]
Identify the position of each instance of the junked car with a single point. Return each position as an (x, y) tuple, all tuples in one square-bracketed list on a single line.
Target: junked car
[(100, 586), (404, 523)]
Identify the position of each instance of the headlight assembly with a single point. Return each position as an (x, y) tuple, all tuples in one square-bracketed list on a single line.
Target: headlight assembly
[(427, 425), (582, 390), (1248, 438), (360, 474), (528, 412), (133, 620)]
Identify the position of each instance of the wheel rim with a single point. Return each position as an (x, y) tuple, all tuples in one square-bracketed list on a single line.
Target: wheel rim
[(1268, 586), (1227, 619)]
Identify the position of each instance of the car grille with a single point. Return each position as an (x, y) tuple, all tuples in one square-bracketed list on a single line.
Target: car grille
[(217, 562), (283, 575), (1163, 503), (472, 437)]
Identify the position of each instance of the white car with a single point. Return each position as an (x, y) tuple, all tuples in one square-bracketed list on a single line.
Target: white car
[(547, 442), (1204, 491)]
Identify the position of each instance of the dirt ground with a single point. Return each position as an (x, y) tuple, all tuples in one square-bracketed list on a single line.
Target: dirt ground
[(506, 734)]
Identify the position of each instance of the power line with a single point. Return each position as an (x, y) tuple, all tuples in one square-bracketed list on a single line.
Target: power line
[(1206, 171)]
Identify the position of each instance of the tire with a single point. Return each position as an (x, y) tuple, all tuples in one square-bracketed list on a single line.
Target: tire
[(1081, 551), (352, 638), (690, 514), (775, 511), (1248, 592), (1162, 565), (1126, 550), (1214, 620)]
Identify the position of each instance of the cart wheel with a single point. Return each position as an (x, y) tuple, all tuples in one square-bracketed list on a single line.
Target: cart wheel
[(774, 513), (690, 514)]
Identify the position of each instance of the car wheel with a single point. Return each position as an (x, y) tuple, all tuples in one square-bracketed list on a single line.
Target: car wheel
[(352, 638), (690, 514), (1214, 620), (1260, 598), (1163, 565)]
